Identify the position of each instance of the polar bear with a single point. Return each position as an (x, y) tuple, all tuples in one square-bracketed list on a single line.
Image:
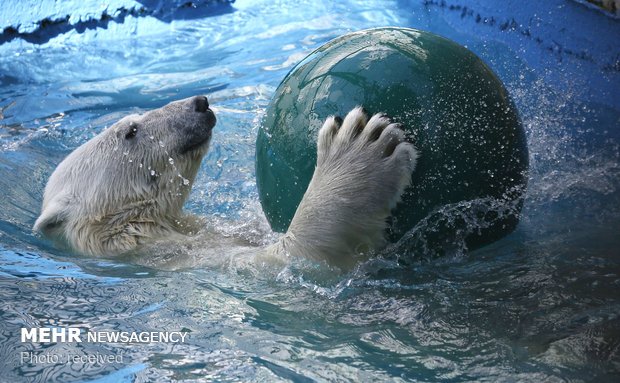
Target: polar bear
[(125, 188)]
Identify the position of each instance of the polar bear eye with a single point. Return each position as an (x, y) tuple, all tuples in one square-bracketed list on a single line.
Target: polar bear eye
[(133, 130)]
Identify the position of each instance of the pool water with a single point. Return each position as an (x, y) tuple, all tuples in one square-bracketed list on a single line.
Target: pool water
[(542, 304)]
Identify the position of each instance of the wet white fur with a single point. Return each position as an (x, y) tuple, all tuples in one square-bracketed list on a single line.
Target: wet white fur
[(362, 169), (103, 199), (110, 196)]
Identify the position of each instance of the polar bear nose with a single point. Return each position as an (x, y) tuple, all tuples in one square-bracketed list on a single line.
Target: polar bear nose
[(201, 104)]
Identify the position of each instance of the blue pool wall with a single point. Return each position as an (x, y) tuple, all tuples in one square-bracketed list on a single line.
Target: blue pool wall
[(570, 42)]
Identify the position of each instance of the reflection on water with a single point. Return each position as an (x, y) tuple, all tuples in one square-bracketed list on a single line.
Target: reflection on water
[(539, 305)]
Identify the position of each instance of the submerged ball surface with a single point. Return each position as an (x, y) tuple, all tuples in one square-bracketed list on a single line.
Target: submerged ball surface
[(454, 109)]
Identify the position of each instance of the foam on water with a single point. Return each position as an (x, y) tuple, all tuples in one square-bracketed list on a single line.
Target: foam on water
[(539, 305)]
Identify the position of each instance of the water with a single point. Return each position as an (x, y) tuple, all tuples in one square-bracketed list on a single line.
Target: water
[(540, 305)]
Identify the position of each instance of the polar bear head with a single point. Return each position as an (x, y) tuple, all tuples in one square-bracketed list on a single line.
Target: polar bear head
[(128, 184)]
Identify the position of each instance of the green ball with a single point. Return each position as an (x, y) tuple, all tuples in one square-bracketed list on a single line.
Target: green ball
[(473, 150)]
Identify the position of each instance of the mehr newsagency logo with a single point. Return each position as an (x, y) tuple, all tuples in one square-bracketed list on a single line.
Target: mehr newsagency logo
[(75, 335)]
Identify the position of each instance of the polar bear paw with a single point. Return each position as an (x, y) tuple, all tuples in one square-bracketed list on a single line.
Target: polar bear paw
[(363, 167), (374, 151), (377, 141)]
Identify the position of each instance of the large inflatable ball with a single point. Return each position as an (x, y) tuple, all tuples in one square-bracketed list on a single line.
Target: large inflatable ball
[(471, 174)]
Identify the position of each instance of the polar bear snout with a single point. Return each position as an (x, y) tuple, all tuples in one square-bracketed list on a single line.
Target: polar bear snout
[(198, 134), (201, 104)]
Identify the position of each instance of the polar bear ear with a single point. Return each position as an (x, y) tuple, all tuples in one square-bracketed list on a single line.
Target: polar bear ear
[(51, 220)]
